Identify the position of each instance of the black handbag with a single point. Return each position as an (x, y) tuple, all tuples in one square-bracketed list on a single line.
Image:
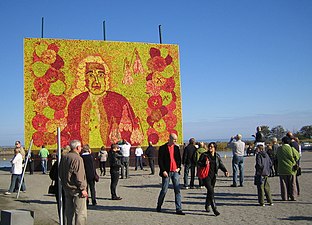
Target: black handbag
[(298, 171), (52, 188), (96, 177)]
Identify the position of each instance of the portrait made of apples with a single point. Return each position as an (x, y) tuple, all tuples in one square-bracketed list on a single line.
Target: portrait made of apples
[(101, 92)]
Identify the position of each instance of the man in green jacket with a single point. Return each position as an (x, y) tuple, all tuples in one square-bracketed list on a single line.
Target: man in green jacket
[(287, 158), (43, 154)]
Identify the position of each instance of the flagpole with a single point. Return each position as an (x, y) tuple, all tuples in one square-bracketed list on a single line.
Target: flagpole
[(42, 20), (60, 197), (104, 31), (159, 32)]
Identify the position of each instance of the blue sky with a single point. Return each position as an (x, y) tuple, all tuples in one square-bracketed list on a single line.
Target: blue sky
[(243, 63)]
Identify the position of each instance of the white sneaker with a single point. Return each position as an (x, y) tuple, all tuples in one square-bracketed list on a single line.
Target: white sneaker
[(7, 193)]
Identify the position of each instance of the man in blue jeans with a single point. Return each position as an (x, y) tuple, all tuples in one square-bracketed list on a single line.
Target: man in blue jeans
[(238, 150), (189, 163), (44, 153), (169, 160)]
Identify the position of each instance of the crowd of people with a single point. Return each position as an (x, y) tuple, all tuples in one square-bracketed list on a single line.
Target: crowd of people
[(77, 171)]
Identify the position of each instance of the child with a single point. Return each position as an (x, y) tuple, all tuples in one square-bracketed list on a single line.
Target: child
[(263, 167), (114, 157)]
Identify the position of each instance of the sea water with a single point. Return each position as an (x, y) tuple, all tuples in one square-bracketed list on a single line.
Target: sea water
[(4, 162)]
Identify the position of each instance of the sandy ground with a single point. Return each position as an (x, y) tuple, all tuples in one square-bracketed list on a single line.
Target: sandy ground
[(139, 192)]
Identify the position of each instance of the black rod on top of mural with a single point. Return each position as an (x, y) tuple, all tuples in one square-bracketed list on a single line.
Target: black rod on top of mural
[(42, 19), (159, 31), (104, 31)]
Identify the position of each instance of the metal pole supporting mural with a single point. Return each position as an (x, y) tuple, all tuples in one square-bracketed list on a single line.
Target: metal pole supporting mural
[(42, 19), (59, 154), (159, 31), (24, 169), (104, 31)]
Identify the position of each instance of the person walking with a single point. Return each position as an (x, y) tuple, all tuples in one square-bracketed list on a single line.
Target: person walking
[(53, 174), (287, 158), (114, 157), (274, 149), (138, 157), (73, 179), (201, 149), (31, 163), (88, 161), (53, 157), (238, 149), (263, 170), (43, 154), (16, 171), (295, 143), (169, 160), (21, 150), (189, 164), (269, 151), (215, 163), (102, 156), (125, 151), (151, 154)]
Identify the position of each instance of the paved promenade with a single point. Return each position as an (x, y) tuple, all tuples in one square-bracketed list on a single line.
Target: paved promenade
[(139, 192)]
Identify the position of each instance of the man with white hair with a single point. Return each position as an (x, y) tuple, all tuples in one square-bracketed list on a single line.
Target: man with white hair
[(96, 114), (238, 150), (74, 183)]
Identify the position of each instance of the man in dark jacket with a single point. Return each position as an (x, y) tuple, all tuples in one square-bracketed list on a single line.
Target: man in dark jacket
[(74, 183), (114, 158), (151, 154), (88, 161), (169, 160), (189, 164)]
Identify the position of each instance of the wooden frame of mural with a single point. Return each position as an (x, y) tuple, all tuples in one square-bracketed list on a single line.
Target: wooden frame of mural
[(101, 92)]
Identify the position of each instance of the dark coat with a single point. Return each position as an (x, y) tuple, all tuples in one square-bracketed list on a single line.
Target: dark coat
[(150, 152), (188, 155), (88, 162), (259, 137), (164, 158), (114, 159), (263, 164)]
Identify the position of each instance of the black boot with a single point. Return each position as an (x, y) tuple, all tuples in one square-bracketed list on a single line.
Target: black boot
[(207, 209), (207, 204), (214, 208)]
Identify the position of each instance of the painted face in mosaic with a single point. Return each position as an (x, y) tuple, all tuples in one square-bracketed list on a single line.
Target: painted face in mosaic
[(95, 78)]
